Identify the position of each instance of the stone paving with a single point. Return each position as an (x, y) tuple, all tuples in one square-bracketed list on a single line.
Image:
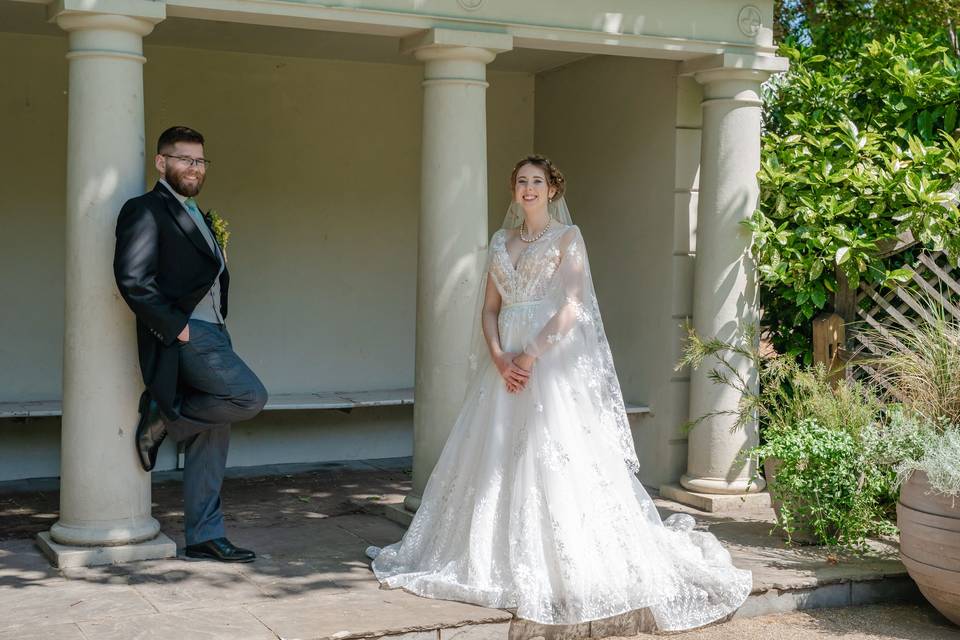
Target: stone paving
[(312, 580)]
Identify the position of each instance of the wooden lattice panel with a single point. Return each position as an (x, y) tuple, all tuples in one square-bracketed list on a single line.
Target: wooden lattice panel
[(933, 279)]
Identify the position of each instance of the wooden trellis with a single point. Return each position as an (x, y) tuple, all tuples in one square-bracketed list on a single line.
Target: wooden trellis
[(933, 278)]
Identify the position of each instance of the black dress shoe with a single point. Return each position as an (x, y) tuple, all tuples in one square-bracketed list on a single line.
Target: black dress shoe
[(150, 432), (219, 549)]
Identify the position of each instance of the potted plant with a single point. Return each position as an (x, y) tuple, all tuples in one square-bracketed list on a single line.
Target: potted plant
[(819, 444), (919, 367)]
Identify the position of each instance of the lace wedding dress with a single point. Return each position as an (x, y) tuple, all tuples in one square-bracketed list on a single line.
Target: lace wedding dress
[(533, 503)]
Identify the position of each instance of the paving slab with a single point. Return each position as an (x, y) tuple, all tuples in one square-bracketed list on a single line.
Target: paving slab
[(313, 580), (59, 600), (292, 577), (887, 622), (416, 635), (21, 565), (371, 529), (494, 631), (68, 631), (229, 623), (321, 539), (369, 613), (188, 584)]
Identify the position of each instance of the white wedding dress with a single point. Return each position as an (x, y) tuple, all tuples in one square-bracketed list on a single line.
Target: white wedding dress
[(534, 504)]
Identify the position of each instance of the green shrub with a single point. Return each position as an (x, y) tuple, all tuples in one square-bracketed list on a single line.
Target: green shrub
[(826, 442), (857, 150), (828, 483)]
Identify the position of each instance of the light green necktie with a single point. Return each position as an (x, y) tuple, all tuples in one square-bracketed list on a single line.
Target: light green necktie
[(191, 206)]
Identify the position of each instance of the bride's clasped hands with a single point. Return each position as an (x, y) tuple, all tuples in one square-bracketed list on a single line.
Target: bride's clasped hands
[(514, 368)]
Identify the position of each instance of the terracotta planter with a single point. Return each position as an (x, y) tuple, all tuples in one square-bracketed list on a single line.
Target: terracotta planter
[(802, 533), (930, 543)]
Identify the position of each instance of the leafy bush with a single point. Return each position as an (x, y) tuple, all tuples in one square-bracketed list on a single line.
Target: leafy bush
[(828, 483), (826, 442), (857, 150)]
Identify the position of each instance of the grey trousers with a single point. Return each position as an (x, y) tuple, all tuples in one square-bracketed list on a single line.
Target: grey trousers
[(216, 389)]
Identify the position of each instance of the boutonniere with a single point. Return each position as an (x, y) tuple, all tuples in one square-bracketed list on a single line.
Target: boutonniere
[(220, 230)]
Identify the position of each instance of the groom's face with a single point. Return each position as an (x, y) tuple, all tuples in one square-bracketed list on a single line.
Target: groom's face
[(176, 167)]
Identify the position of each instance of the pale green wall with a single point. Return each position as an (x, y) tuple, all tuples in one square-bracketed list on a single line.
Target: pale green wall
[(33, 120), (316, 166), (608, 123)]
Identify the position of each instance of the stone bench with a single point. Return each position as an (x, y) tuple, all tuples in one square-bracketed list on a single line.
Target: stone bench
[(344, 401)]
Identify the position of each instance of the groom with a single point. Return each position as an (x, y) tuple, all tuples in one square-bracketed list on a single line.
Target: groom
[(172, 273)]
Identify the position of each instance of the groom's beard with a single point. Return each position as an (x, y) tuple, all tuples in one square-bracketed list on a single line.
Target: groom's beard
[(176, 179)]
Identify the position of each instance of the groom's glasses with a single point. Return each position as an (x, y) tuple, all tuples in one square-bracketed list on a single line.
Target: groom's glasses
[(203, 163)]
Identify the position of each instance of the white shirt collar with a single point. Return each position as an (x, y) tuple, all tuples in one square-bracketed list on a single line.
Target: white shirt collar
[(176, 195)]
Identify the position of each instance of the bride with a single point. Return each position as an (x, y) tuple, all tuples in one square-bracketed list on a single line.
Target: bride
[(534, 504)]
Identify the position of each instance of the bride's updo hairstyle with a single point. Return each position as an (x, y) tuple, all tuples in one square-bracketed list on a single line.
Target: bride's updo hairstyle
[(554, 177)]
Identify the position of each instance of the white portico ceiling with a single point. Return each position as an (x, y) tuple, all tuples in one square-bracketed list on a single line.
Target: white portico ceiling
[(370, 32), (31, 18)]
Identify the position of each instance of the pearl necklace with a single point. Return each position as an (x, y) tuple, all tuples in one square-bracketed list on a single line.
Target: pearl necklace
[(539, 235)]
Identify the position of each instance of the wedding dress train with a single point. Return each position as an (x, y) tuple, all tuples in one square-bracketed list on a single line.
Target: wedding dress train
[(533, 503)]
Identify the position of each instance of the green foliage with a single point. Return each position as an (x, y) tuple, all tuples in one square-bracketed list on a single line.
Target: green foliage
[(939, 459), (828, 483), (835, 26), (786, 391), (824, 440), (856, 151), (911, 443), (919, 365)]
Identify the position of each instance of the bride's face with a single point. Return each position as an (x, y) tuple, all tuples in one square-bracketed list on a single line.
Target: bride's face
[(532, 189)]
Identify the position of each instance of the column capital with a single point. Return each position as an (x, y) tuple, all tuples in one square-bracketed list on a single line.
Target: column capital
[(733, 66), (134, 16), (450, 44), (733, 79)]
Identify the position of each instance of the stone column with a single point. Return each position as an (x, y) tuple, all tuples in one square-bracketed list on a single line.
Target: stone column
[(725, 292), (104, 495), (453, 232)]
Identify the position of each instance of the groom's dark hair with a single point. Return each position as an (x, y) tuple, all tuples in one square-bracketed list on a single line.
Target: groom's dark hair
[(173, 135)]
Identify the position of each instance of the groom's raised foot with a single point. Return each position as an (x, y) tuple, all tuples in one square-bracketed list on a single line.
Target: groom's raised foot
[(219, 549), (150, 433)]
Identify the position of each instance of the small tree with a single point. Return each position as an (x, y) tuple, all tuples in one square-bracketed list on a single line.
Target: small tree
[(856, 152)]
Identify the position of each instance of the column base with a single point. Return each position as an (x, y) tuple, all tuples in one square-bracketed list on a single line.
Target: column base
[(715, 502), (64, 556), (412, 502), (106, 533), (722, 486)]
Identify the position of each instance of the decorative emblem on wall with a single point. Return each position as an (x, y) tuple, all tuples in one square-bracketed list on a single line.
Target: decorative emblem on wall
[(470, 5), (750, 20)]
